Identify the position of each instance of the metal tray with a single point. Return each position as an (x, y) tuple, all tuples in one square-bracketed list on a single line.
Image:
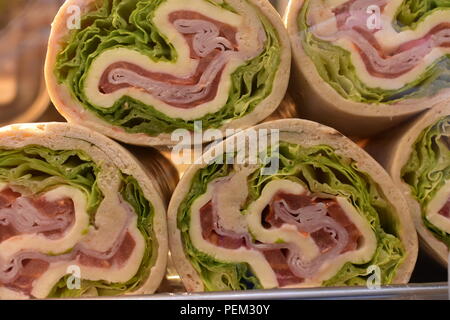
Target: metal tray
[(431, 291)]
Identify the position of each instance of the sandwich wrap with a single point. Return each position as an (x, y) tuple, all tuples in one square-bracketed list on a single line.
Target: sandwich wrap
[(79, 216), (315, 210), (362, 66), (136, 70), (417, 156)]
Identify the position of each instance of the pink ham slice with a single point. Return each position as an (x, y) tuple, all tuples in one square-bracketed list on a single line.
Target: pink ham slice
[(323, 218), (26, 267), (27, 215), (32, 269), (322, 237), (211, 43), (352, 21)]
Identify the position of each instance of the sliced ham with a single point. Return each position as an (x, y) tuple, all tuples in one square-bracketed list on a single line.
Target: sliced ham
[(32, 269), (211, 42), (27, 215), (323, 219), (352, 22)]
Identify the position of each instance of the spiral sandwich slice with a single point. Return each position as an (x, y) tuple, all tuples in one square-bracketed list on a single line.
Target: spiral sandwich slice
[(78, 216), (327, 216), (418, 159), (375, 61), (137, 70), (430, 177)]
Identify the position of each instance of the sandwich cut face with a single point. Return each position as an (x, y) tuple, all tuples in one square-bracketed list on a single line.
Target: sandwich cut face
[(151, 67), (70, 226), (427, 173), (306, 225), (379, 51)]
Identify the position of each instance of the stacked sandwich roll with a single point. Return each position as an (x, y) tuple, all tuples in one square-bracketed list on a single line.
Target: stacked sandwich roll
[(137, 70), (78, 216), (417, 157), (362, 66), (315, 210)]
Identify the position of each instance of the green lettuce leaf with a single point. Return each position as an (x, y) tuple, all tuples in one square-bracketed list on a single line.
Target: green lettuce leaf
[(412, 12), (128, 23), (335, 67), (428, 168), (37, 169), (321, 171)]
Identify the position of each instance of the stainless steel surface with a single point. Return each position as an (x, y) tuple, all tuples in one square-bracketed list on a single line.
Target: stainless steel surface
[(432, 291)]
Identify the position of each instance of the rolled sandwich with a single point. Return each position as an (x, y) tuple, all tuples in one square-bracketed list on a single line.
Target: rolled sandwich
[(363, 66), (315, 210), (78, 216), (136, 70), (418, 158)]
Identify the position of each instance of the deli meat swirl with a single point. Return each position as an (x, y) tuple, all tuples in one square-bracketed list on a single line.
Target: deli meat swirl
[(322, 219), (212, 43), (20, 215)]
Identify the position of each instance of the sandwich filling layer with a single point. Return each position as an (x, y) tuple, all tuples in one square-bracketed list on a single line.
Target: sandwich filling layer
[(60, 212), (379, 51), (153, 67), (317, 221)]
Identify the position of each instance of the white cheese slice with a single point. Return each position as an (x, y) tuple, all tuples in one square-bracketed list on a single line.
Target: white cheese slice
[(44, 284), (435, 205), (384, 83), (230, 201), (389, 38), (112, 214)]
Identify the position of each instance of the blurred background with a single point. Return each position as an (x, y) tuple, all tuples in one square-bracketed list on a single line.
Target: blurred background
[(24, 30)]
